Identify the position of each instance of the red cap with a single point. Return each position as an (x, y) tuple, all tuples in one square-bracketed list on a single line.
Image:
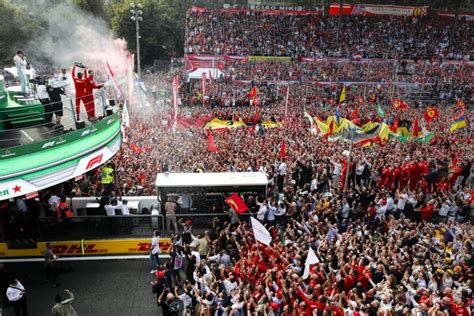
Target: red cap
[(274, 306), (188, 222), (160, 275)]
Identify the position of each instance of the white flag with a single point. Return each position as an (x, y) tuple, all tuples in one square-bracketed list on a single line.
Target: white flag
[(125, 115), (260, 232), (311, 259)]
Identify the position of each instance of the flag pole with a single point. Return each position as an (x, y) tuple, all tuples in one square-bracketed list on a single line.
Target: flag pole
[(346, 180)]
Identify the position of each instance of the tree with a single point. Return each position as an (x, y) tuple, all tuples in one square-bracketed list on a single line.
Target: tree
[(161, 30), (17, 27), (96, 8)]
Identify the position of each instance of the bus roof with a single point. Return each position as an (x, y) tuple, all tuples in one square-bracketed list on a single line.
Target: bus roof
[(211, 179)]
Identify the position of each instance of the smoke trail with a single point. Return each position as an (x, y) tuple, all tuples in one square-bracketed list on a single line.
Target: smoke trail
[(71, 34)]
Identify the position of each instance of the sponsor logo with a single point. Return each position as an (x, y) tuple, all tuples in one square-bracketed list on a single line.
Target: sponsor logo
[(4, 192), (16, 189), (94, 161), (76, 249), (165, 246), (48, 144), (60, 141), (7, 153)]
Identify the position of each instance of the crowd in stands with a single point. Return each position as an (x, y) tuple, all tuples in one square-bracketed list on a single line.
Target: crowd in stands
[(258, 33)]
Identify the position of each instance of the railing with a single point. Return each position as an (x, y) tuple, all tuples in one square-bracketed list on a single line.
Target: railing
[(133, 226)]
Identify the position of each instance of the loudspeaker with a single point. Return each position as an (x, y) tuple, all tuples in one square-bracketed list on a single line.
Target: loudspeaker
[(109, 111), (112, 102)]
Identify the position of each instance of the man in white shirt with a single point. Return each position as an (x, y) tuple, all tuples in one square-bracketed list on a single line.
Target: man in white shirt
[(53, 203), (16, 295), (20, 63), (282, 170), (401, 203), (155, 252)]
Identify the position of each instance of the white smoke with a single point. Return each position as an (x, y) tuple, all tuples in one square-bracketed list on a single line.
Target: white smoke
[(73, 35)]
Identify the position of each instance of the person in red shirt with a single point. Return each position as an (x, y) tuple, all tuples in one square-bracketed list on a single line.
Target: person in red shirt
[(80, 87), (427, 211), (89, 93)]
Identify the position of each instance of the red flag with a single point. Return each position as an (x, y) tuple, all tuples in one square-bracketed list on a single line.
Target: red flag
[(211, 146), (282, 149), (460, 104), (399, 104), (253, 93), (331, 128), (431, 113), (355, 114), (416, 128), (237, 204), (111, 75), (135, 148)]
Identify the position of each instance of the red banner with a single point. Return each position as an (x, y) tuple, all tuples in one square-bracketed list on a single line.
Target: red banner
[(266, 9), (468, 16), (375, 10)]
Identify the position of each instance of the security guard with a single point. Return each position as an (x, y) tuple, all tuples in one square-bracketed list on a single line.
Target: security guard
[(107, 178)]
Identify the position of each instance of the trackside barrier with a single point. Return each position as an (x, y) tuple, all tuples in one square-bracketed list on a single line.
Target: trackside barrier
[(88, 248)]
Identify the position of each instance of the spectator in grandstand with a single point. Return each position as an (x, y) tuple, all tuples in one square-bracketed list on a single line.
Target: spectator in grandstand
[(63, 306)]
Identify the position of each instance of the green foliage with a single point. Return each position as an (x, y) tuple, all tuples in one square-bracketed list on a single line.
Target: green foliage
[(17, 27), (96, 8), (161, 30)]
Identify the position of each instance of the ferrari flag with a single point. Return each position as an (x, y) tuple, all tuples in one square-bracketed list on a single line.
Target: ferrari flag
[(237, 204)]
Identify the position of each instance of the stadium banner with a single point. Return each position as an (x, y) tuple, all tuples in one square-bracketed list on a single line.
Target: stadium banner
[(272, 58), (88, 248), (467, 16), (264, 8), (374, 10)]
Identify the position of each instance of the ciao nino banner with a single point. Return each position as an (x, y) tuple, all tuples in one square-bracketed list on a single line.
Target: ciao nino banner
[(374, 10)]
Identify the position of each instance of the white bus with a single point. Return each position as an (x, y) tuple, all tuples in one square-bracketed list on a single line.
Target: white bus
[(205, 190)]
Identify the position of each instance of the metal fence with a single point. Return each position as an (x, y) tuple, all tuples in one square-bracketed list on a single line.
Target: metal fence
[(133, 226)]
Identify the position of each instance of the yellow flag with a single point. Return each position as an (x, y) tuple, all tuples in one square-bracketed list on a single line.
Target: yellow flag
[(342, 97)]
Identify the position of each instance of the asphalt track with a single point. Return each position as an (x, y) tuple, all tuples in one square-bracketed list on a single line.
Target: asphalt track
[(112, 287)]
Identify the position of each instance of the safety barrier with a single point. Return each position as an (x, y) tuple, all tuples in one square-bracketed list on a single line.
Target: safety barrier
[(132, 226)]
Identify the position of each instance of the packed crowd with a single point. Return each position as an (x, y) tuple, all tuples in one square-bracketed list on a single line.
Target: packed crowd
[(257, 33), (364, 265), (398, 243), (425, 72)]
